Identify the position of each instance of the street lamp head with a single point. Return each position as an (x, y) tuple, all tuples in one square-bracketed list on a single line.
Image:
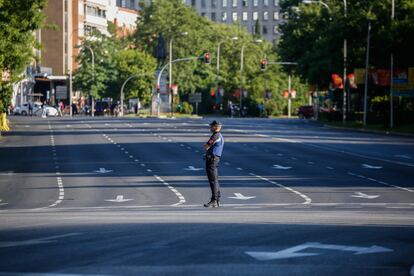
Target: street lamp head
[(307, 2)]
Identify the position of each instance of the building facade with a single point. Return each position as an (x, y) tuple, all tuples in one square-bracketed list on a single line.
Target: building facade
[(73, 20), (263, 15)]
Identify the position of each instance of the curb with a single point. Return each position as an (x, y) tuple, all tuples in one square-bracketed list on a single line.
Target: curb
[(388, 133)]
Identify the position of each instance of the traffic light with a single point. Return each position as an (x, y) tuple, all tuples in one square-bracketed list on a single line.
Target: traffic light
[(263, 64), (207, 58)]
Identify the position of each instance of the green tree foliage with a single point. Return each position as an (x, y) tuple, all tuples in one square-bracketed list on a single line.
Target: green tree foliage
[(172, 18), (18, 20), (114, 63), (313, 36)]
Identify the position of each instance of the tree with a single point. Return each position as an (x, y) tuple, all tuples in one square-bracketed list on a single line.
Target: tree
[(18, 20), (171, 18)]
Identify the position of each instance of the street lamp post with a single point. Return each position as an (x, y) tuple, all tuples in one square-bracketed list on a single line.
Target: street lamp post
[(366, 75), (241, 73), (392, 72), (218, 53), (170, 73), (122, 90), (344, 105), (289, 83)]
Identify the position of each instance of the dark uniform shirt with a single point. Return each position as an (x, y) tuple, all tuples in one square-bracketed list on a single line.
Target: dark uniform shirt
[(216, 143)]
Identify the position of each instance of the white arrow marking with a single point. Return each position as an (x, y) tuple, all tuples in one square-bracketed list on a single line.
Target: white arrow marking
[(192, 168), (362, 195), (366, 166), (293, 252), (103, 170), (119, 198), (241, 197), (281, 167), (36, 241)]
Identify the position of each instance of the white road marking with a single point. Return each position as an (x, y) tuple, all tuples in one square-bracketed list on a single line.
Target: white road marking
[(7, 173), (241, 197), (119, 199), (103, 170), (227, 163), (36, 241), (281, 167), (381, 182), (149, 170), (329, 168), (177, 193), (307, 199), (310, 162), (293, 252), (239, 169), (192, 168), (362, 195), (367, 166), (403, 156)]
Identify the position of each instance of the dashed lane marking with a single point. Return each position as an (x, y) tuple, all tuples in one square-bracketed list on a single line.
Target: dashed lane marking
[(381, 182), (307, 199), (177, 193)]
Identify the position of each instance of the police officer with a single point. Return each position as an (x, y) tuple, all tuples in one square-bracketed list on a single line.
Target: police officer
[(214, 149)]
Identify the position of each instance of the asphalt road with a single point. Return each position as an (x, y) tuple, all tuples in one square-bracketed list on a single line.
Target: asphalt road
[(123, 196)]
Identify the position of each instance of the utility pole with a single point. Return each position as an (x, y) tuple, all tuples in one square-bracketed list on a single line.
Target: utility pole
[(366, 75), (344, 105), (392, 72), (290, 97)]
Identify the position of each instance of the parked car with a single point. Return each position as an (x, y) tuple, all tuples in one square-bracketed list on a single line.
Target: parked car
[(24, 109), (305, 111)]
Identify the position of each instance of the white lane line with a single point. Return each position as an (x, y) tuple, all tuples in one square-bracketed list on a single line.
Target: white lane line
[(177, 193), (239, 169), (329, 168), (331, 149), (381, 182), (307, 199), (149, 170)]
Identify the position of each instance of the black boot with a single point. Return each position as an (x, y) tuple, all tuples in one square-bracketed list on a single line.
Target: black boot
[(212, 204)]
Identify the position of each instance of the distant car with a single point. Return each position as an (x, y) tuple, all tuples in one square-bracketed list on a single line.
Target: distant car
[(305, 111), (101, 107), (24, 109), (50, 111)]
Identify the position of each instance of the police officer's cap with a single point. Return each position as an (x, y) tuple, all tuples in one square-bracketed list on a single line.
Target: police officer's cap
[(215, 123)]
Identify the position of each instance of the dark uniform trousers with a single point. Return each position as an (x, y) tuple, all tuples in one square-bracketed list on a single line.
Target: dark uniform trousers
[(212, 163)]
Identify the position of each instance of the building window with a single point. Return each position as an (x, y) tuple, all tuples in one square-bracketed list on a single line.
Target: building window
[(203, 14), (213, 16), (224, 4), (224, 16), (214, 4), (276, 3), (264, 30), (193, 3), (95, 11), (276, 29), (203, 3), (245, 16), (244, 3), (265, 3), (275, 16), (255, 3), (266, 15), (255, 16), (234, 16), (88, 29), (234, 3)]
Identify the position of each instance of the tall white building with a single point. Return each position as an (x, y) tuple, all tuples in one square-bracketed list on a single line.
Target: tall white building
[(244, 12)]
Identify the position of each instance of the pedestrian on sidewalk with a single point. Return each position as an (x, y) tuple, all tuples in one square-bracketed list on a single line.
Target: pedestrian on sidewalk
[(214, 149)]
